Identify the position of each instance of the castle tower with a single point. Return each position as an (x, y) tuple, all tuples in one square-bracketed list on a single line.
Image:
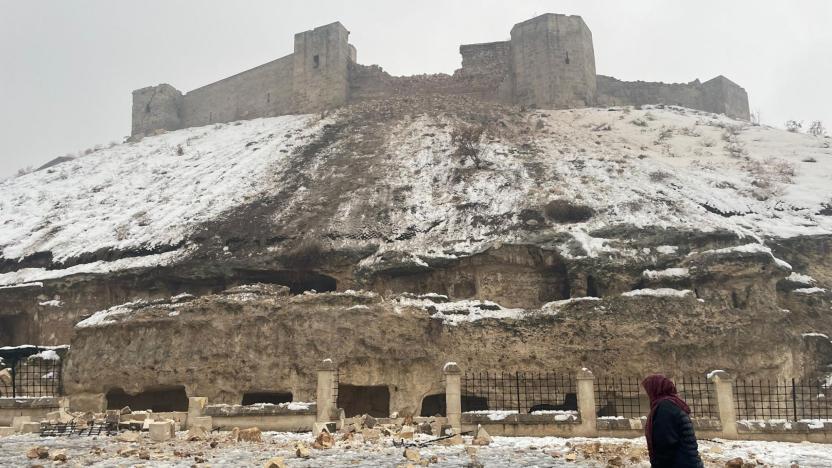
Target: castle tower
[(320, 70), (156, 107), (553, 62)]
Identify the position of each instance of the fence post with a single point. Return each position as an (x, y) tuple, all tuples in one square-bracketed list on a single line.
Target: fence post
[(453, 396), (585, 388), (724, 391), (325, 400), (196, 409)]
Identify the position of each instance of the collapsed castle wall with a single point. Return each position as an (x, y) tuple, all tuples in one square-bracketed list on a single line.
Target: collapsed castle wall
[(549, 63), (718, 95)]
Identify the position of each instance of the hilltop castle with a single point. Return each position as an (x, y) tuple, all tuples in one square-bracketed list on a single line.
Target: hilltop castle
[(548, 63)]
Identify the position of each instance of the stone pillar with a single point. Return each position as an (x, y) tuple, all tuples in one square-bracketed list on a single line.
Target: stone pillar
[(196, 409), (724, 392), (453, 396), (325, 393), (585, 383)]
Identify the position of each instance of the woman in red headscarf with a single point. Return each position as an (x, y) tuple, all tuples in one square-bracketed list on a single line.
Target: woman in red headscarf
[(671, 440)]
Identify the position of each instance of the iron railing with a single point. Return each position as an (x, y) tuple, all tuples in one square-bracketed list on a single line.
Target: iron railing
[(524, 392), (624, 397), (31, 377), (782, 399)]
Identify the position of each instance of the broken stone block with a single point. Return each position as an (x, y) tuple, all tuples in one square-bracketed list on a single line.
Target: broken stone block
[(317, 427), (6, 431), (276, 462), (425, 428), (456, 439), (324, 440), (369, 421), (251, 434), (302, 451), (18, 421), (482, 437), (37, 452), (160, 431), (126, 410), (59, 457), (412, 454), (30, 427), (129, 436), (371, 435)]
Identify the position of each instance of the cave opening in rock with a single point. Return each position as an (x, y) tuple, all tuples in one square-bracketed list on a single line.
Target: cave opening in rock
[(297, 281), (158, 399), (356, 400), (474, 403), (433, 405), (591, 287), (274, 398)]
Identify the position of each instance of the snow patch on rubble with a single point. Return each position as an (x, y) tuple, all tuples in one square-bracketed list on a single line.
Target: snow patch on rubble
[(457, 312), (801, 278), (571, 300), (745, 248), (104, 317), (27, 276), (820, 335), (47, 355), (659, 292), (809, 290), (494, 415), (52, 303), (669, 273)]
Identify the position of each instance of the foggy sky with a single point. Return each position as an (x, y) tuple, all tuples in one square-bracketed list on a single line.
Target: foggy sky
[(67, 68)]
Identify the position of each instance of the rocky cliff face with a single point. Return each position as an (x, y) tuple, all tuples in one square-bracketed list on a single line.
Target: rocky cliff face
[(456, 197)]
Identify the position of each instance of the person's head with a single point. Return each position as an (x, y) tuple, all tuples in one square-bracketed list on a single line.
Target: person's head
[(658, 386)]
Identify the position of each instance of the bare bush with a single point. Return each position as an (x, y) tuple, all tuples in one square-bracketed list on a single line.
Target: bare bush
[(306, 255), (817, 129), (794, 126), (24, 170), (468, 141), (566, 211), (639, 122), (659, 176)]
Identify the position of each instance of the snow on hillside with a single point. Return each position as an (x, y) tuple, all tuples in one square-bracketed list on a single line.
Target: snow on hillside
[(667, 167), (144, 195)]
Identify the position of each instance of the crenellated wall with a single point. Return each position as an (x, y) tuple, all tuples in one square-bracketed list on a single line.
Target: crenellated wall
[(549, 63)]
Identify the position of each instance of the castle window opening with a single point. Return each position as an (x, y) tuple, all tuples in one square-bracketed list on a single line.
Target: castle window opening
[(268, 97), (567, 58), (274, 398), (433, 405), (364, 399), (147, 108), (316, 61), (160, 399)]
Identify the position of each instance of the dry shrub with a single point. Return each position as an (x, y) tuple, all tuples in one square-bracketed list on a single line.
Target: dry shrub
[(566, 211), (468, 141), (659, 176), (306, 255)]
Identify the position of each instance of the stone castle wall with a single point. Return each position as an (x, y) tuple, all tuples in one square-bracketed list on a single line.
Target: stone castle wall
[(719, 95), (548, 63)]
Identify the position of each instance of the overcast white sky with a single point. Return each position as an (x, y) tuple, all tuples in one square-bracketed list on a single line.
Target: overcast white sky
[(67, 68)]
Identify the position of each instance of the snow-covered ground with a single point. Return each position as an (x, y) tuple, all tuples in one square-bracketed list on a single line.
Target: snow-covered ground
[(503, 452)]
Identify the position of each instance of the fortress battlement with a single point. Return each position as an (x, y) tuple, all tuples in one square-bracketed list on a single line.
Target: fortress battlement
[(549, 62)]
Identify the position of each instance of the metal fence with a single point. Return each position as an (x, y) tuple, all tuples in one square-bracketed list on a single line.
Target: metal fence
[(787, 399), (625, 397), (524, 392), (31, 377), (620, 397)]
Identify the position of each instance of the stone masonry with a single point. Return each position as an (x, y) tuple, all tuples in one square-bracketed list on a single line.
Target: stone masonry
[(549, 63)]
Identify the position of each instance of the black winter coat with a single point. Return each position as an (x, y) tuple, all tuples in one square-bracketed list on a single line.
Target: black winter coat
[(674, 441)]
